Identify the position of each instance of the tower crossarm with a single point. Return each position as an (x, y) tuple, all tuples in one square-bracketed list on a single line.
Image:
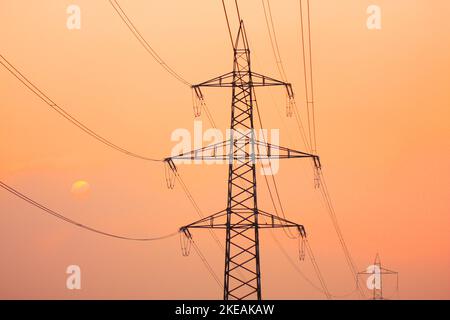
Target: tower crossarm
[(382, 271), (263, 151), (254, 80), (218, 221)]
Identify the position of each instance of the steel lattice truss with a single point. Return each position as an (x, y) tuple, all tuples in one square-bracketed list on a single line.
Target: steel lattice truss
[(242, 219)]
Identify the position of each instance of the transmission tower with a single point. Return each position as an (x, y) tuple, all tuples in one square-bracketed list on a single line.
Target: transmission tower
[(375, 282), (242, 219)]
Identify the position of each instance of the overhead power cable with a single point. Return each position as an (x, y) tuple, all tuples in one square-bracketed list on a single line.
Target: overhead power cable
[(270, 24), (68, 220), (144, 42), (273, 39), (309, 89), (330, 208), (274, 181), (196, 207), (200, 213), (61, 111), (322, 289), (228, 23), (207, 265), (317, 269), (307, 47), (313, 141), (310, 139), (138, 35), (237, 10)]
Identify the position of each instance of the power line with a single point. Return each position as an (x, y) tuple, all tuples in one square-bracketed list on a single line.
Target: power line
[(196, 207), (323, 290), (68, 220), (207, 265), (276, 52), (294, 265), (270, 24), (41, 95), (240, 218), (138, 35), (273, 39), (309, 98), (237, 10), (313, 141), (124, 17), (144, 42), (311, 145), (317, 269), (228, 23), (288, 233), (330, 208), (14, 71)]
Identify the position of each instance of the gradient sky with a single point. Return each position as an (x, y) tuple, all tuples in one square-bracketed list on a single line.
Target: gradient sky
[(383, 110)]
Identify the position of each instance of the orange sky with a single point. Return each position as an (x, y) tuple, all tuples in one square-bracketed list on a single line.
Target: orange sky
[(382, 102)]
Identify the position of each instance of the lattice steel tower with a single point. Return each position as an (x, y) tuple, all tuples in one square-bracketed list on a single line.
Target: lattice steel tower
[(375, 280), (242, 219)]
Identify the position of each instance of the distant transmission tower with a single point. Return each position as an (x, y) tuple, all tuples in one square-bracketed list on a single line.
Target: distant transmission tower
[(242, 219), (375, 280)]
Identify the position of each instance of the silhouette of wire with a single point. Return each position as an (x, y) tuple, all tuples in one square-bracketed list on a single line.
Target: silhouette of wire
[(273, 235), (281, 70), (287, 232), (313, 141), (317, 269), (324, 289), (331, 211), (273, 39), (310, 143), (327, 201), (237, 10), (145, 43), (40, 94), (228, 23), (68, 220), (309, 98), (293, 264), (207, 265), (138, 35), (196, 207)]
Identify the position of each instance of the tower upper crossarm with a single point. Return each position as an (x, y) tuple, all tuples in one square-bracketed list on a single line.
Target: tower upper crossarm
[(254, 80)]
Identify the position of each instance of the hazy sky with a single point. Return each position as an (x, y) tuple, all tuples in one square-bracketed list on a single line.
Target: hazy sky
[(382, 110)]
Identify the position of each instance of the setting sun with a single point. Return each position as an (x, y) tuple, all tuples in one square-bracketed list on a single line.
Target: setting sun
[(80, 189)]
